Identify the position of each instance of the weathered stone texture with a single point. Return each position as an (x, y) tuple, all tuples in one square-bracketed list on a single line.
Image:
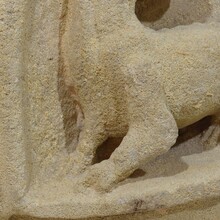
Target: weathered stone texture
[(14, 176), (75, 74), (31, 120)]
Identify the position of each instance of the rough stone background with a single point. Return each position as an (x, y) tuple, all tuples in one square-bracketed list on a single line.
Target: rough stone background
[(207, 211), (31, 128), (14, 175), (37, 112)]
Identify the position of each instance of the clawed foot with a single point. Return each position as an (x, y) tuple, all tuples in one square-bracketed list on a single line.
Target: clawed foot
[(100, 177)]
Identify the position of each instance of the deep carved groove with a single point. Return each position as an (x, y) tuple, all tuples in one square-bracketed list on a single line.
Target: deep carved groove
[(66, 95)]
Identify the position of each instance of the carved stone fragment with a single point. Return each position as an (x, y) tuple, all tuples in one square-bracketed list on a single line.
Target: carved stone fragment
[(109, 107)]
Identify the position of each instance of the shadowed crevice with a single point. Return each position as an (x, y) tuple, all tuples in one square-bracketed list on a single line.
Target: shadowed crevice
[(159, 14)]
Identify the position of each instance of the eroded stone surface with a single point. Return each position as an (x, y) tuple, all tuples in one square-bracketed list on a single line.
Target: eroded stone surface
[(137, 83), (161, 187), (65, 64)]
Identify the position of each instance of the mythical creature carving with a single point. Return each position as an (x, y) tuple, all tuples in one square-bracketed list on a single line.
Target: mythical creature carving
[(138, 83)]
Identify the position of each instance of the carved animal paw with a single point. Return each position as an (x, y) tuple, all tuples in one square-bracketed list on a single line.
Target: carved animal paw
[(100, 177)]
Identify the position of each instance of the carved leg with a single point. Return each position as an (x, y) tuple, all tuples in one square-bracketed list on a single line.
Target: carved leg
[(92, 136), (211, 136), (146, 139), (152, 129)]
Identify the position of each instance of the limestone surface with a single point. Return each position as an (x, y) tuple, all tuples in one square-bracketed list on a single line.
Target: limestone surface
[(108, 107), (137, 83)]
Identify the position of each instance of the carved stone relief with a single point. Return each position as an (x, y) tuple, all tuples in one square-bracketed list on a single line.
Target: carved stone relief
[(109, 107)]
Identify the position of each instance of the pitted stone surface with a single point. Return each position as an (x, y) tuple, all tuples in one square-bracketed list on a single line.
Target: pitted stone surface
[(75, 73)]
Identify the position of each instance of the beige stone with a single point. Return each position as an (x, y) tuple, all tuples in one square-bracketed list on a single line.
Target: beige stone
[(79, 74), (136, 82), (192, 212), (31, 122)]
